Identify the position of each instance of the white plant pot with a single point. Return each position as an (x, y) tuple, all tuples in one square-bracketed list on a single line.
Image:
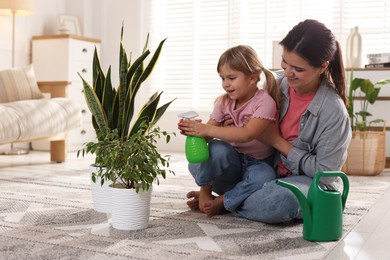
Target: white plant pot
[(130, 210), (101, 196)]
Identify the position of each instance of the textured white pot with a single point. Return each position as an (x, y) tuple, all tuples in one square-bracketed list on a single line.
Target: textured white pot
[(130, 210), (101, 196)]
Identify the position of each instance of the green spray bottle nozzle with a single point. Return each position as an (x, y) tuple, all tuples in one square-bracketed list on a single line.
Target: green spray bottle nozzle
[(196, 148), (189, 115)]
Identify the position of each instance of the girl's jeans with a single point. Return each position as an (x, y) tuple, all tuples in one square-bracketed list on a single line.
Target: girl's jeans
[(235, 175)]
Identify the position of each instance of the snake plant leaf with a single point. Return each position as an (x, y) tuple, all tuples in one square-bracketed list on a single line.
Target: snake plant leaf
[(149, 68), (108, 98), (136, 69), (139, 76), (161, 110), (122, 90), (95, 107), (147, 113), (134, 72), (98, 77)]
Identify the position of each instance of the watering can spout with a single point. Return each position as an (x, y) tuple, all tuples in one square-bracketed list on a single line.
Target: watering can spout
[(307, 216)]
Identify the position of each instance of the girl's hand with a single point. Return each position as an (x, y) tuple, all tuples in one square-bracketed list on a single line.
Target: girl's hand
[(193, 127), (182, 125)]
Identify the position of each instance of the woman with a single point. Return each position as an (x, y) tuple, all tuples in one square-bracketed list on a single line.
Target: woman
[(314, 131)]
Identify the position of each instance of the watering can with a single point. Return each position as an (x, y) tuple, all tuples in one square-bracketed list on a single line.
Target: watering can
[(322, 210)]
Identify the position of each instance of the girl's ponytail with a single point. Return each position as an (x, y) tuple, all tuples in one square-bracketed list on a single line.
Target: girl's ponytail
[(272, 86)]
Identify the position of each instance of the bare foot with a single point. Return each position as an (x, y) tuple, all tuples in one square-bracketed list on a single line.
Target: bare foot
[(204, 196), (214, 207), (194, 203)]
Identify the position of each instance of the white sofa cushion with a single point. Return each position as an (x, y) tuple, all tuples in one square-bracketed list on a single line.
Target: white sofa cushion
[(18, 84), (37, 118)]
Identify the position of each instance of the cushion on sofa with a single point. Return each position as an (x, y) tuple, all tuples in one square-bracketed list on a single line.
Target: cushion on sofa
[(18, 84), (33, 119)]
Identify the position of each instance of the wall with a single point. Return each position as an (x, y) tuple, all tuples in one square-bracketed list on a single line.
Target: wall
[(102, 19)]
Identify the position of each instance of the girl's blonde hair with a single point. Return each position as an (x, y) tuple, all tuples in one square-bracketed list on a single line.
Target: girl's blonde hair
[(243, 58)]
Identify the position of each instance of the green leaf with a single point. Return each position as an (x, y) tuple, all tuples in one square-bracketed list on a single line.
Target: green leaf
[(95, 107)]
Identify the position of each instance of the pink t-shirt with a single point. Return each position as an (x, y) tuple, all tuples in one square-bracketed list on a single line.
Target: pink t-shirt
[(261, 105), (289, 127)]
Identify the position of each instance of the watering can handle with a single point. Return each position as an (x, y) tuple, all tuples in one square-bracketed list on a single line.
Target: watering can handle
[(340, 174)]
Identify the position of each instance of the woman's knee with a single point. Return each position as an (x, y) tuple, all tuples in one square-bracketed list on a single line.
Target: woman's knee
[(271, 204)]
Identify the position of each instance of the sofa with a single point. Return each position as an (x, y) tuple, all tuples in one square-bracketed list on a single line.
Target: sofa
[(28, 115)]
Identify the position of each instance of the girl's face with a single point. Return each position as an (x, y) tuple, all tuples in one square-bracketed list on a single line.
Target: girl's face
[(302, 77), (237, 85)]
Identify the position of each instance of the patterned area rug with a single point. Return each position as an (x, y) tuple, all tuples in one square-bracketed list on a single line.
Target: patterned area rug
[(47, 213)]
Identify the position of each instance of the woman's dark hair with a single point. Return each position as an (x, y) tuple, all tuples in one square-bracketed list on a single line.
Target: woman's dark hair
[(314, 42)]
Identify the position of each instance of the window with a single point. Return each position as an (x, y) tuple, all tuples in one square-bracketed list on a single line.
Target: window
[(198, 31)]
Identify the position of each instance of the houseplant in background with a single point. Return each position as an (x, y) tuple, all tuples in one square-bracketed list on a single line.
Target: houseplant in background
[(117, 127), (366, 152)]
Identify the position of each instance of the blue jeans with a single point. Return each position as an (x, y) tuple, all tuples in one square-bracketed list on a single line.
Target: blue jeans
[(275, 204), (235, 175)]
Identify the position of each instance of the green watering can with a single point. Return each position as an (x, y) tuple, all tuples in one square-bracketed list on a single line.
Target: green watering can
[(322, 209)]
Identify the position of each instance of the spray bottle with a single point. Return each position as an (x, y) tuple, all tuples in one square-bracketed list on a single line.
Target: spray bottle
[(196, 148)]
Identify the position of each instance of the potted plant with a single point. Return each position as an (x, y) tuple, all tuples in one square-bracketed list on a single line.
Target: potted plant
[(366, 152), (113, 113)]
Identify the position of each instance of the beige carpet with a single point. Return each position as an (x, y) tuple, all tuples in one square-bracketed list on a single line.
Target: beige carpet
[(47, 213)]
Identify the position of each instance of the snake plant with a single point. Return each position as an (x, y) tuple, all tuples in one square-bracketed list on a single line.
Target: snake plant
[(116, 125), (113, 108)]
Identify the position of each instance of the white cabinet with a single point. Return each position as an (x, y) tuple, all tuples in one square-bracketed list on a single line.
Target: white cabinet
[(61, 58)]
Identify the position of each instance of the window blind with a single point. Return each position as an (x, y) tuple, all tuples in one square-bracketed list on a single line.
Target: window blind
[(199, 31)]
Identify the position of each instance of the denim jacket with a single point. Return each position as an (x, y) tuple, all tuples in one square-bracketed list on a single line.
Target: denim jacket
[(324, 132)]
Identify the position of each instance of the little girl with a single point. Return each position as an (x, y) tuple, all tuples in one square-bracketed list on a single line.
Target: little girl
[(238, 164)]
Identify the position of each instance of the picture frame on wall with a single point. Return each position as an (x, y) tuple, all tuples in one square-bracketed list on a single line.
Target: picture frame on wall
[(68, 25)]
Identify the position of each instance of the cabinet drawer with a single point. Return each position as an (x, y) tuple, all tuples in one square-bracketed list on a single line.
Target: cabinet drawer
[(86, 115), (84, 133), (76, 92), (84, 68), (82, 51)]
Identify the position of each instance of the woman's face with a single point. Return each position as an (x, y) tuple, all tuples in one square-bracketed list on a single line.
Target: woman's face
[(302, 77)]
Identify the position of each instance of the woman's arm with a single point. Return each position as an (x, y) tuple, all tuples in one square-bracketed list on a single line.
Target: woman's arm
[(271, 136)]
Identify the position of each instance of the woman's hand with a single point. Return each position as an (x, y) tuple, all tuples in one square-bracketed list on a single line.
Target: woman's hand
[(227, 120)]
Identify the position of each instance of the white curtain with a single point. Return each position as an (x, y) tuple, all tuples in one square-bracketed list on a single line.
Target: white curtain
[(198, 31)]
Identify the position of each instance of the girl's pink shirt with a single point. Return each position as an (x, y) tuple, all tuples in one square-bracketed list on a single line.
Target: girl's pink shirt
[(261, 105)]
